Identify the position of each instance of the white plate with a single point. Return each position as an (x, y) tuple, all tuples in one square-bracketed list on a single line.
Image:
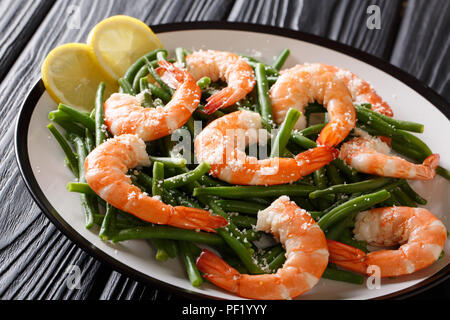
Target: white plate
[(41, 159)]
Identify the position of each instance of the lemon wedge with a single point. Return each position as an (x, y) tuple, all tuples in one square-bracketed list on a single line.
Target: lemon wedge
[(71, 75), (117, 42)]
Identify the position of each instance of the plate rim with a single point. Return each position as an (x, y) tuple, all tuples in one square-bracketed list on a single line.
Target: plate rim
[(28, 106)]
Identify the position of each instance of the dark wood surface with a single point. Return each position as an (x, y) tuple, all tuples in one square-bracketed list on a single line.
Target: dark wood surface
[(34, 255)]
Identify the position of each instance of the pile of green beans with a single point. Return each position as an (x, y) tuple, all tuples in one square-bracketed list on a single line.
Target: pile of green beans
[(333, 195)]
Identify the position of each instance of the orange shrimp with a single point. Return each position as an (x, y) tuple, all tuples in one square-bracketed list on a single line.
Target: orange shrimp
[(124, 113), (420, 234), (105, 170), (371, 155), (306, 253), (225, 66), (303, 84), (361, 90), (222, 144)]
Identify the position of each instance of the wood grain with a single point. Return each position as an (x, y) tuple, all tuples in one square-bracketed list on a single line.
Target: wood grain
[(343, 21), (34, 255), (422, 47), (18, 22)]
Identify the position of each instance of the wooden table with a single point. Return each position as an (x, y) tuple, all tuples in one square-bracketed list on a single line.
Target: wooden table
[(34, 255)]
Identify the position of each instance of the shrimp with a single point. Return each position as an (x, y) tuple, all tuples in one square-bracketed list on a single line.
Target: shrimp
[(420, 234), (371, 155), (225, 66), (105, 170), (222, 144), (124, 114), (303, 84), (306, 253), (361, 90)]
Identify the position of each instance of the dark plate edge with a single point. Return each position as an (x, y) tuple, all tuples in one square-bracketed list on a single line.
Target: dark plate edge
[(27, 108)]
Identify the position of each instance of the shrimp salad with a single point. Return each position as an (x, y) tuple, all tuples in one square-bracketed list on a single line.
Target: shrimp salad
[(259, 178)]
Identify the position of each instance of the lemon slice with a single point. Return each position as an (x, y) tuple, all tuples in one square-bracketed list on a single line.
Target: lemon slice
[(119, 41), (71, 75)]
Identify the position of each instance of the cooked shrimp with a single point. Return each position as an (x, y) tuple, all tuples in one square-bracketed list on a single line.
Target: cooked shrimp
[(362, 91), (306, 253), (303, 84), (124, 113), (371, 155), (106, 168), (225, 66), (419, 233), (222, 144)]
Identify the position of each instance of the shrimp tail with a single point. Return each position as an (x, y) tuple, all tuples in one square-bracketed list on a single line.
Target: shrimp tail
[(347, 256), (432, 161), (218, 271), (220, 99), (193, 218), (170, 74), (316, 158)]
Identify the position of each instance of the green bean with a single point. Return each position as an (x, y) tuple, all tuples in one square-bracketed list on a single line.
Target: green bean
[(243, 221), (158, 80), (170, 162), (412, 194), (403, 198), (333, 175), (303, 203), (161, 252), (126, 87), (136, 85), (159, 93), (189, 261), (398, 124), (158, 178), (321, 181), (336, 230), (280, 60), (348, 171), (130, 74), (365, 116), (148, 101), (171, 247), (443, 172), (284, 134), (242, 192), (56, 115), (71, 157), (188, 177), (342, 275), (86, 201), (355, 205), (237, 246), (278, 262), (240, 206), (271, 80), (107, 230), (312, 130), (180, 55), (80, 187), (166, 232), (70, 127), (347, 238), (302, 141), (269, 70), (362, 186), (204, 82), (89, 141), (263, 93), (100, 133), (78, 116)]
